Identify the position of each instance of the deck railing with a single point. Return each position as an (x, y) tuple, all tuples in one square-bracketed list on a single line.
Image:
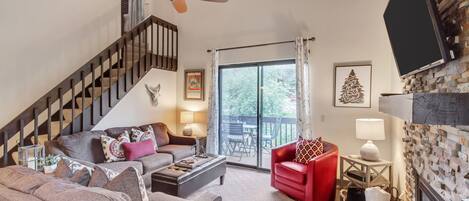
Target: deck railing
[(281, 130)]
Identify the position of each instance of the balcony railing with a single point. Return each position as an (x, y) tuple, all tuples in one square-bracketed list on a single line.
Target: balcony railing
[(274, 131)]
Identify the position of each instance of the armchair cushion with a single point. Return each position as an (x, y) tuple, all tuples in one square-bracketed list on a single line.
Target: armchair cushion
[(292, 171)]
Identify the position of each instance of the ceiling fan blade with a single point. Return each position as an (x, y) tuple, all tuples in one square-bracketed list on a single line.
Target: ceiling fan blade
[(217, 1), (180, 5)]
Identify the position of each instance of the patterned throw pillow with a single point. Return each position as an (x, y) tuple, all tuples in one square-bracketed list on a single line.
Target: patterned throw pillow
[(306, 150), (112, 147), (129, 182), (76, 165), (140, 136)]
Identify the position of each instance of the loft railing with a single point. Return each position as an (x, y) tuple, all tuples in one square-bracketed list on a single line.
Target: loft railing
[(83, 98)]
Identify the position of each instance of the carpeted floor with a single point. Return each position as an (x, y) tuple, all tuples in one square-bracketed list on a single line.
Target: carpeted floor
[(244, 185)]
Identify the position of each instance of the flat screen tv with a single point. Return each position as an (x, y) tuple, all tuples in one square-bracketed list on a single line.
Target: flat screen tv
[(416, 35)]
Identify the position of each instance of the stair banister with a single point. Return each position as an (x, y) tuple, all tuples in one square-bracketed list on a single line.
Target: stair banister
[(32, 117)]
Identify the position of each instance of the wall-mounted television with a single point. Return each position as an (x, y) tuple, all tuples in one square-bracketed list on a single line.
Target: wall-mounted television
[(416, 35)]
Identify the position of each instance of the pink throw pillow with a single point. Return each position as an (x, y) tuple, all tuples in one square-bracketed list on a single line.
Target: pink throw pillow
[(137, 150)]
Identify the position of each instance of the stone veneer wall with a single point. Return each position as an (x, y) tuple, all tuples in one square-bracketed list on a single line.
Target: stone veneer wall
[(440, 153)]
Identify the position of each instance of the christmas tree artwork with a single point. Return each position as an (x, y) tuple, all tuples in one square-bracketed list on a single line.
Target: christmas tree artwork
[(352, 90)]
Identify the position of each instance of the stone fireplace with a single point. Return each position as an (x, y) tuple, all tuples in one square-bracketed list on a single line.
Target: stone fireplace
[(436, 157), (424, 191)]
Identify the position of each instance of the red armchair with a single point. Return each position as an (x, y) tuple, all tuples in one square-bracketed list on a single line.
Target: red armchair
[(315, 181)]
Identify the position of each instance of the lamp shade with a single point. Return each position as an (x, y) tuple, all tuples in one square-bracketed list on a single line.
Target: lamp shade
[(370, 129), (187, 117)]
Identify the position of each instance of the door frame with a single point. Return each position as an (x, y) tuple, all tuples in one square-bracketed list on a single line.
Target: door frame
[(260, 69)]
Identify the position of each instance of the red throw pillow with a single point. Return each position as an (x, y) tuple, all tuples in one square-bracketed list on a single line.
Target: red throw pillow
[(306, 150), (136, 150)]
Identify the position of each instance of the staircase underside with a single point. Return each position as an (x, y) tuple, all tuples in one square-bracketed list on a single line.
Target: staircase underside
[(84, 98)]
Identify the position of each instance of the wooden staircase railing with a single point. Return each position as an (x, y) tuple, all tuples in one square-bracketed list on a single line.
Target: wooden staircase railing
[(80, 101)]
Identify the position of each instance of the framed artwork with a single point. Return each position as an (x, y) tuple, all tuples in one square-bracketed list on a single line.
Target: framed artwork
[(194, 84), (352, 85)]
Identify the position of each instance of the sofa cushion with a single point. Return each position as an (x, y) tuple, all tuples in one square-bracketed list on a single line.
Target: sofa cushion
[(161, 133), (116, 131), (155, 161), (178, 151), (84, 146), (291, 170), (122, 165)]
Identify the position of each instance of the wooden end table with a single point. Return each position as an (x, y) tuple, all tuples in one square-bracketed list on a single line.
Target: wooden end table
[(367, 168)]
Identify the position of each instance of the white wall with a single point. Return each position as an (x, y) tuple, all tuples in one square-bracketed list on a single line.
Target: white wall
[(42, 42), (345, 31), (135, 108)]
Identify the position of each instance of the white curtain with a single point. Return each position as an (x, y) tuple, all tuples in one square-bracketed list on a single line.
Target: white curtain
[(303, 90), (135, 15), (213, 106)]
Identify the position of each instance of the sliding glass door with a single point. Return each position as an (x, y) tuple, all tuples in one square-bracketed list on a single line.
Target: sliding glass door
[(258, 111)]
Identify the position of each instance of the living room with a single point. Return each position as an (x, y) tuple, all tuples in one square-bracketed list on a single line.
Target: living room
[(234, 100)]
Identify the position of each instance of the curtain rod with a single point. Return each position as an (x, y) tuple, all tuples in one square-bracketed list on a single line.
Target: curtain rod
[(260, 45)]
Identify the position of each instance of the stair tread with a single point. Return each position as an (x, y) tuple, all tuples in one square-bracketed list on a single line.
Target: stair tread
[(68, 113), (88, 101)]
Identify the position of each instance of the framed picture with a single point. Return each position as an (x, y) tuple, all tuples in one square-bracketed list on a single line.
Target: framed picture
[(194, 84), (352, 85)]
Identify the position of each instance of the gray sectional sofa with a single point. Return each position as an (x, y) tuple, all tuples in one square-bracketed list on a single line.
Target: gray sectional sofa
[(86, 146)]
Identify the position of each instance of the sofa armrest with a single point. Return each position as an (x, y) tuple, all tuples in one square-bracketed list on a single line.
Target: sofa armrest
[(182, 140), (322, 176)]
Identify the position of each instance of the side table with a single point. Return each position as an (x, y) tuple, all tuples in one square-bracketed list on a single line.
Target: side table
[(372, 172)]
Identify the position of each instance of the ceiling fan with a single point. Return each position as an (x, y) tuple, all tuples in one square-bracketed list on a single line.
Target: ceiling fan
[(181, 6)]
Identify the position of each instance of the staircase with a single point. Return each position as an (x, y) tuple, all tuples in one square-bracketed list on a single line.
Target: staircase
[(80, 101)]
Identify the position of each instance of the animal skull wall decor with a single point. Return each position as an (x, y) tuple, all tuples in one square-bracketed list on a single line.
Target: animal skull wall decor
[(154, 93)]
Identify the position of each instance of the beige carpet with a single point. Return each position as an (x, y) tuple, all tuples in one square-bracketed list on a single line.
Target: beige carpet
[(244, 185)]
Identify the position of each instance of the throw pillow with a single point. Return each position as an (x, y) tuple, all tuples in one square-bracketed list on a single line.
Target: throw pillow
[(137, 150), (306, 150), (99, 178), (62, 170), (148, 134), (76, 165), (130, 183), (113, 147), (81, 177)]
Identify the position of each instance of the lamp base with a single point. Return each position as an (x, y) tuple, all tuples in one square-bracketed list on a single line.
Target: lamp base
[(369, 151), (187, 132)]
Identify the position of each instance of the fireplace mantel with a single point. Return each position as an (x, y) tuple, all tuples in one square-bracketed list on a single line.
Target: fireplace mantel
[(428, 108)]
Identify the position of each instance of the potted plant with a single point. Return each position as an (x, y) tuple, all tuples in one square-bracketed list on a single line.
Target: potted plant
[(50, 164)]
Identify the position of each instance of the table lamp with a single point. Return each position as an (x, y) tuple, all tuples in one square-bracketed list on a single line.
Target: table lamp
[(369, 129), (187, 117)]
